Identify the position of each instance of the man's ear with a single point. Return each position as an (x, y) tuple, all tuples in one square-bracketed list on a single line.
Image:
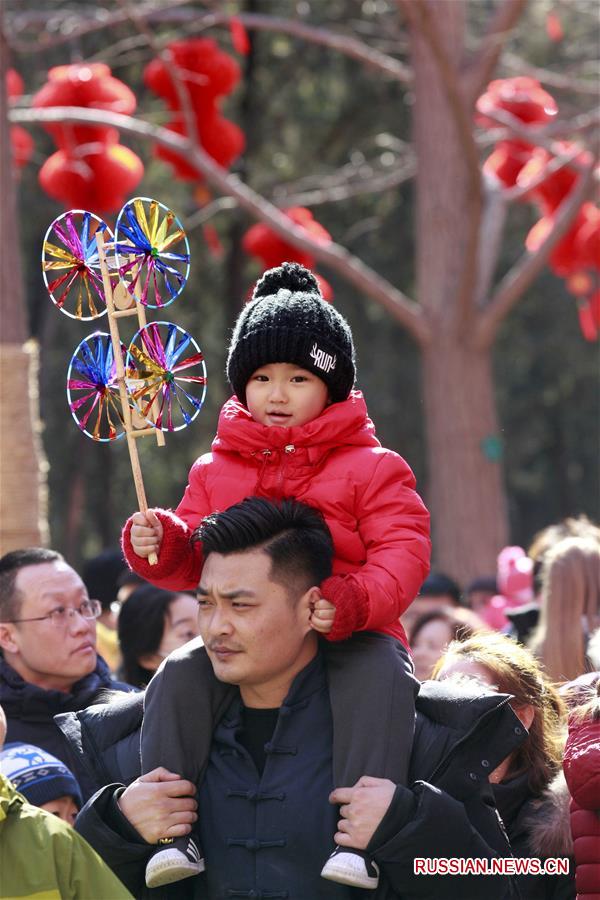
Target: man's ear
[(306, 604), (7, 641)]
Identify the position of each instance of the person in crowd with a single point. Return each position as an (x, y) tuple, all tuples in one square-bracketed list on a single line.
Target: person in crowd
[(581, 766), (296, 428), (100, 576), (525, 619), (479, 591), (515, 592), (266, 820), (43, 780), (127, 582), (438, 591), (569, 607), (152, 624), (49, 662), (433, 631), (42, 856), (545, 540), (528, 786)]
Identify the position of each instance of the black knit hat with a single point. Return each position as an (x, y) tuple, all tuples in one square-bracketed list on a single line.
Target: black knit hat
[(288, 321)]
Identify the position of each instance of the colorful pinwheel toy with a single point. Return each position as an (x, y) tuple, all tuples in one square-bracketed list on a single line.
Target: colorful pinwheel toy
[(166, 375), (71, 267), (92, 388), (152, 252), (159, 383)]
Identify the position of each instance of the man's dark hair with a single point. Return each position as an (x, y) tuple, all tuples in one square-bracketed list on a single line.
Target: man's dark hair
[(295, 536), (10, 565), (100, 576), (438, 583)]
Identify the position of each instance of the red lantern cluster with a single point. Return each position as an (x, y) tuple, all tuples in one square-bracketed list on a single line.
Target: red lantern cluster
[(20, 140), (205, 74), (90, 169), (576, 257), (263, 243), (526, 100)]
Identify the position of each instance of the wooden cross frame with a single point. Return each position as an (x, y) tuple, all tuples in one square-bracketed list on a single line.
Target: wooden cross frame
[(121, 304)]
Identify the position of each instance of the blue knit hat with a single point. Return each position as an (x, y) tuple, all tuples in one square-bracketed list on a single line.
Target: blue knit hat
[(38, 775)]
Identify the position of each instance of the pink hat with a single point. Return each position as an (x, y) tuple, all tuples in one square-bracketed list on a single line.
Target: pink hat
[(515, 576)]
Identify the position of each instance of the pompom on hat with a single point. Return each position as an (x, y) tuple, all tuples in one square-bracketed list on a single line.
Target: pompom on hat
[(288, 321), (38, 775)]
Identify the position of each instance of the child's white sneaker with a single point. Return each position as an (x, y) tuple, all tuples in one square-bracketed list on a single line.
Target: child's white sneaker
[(175, 859), (353, 867)]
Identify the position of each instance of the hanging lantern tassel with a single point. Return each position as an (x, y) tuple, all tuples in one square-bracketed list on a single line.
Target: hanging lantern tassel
[(589, 316)]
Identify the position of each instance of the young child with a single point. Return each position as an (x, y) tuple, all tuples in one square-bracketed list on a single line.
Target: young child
[(42, 779), (297, 428)]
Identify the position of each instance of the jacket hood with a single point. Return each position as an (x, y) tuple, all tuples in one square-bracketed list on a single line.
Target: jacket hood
[(345, 423), (457, 704), (23, 700), (462, 713), (9, 798)]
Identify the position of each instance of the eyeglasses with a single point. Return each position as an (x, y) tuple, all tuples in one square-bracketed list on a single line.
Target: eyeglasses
[(89, 609)]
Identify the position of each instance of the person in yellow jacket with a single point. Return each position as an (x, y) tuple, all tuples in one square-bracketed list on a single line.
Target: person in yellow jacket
[(42, 857)]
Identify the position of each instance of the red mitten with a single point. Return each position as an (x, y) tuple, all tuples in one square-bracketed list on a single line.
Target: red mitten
[(351, 606), (174, 550)]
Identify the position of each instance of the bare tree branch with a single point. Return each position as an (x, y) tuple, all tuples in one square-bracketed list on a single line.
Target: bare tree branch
[(534, 136), (405, 311), (336, 192), (560, 128), (481, 66), (517, 280), (348, 46), (552, 79)]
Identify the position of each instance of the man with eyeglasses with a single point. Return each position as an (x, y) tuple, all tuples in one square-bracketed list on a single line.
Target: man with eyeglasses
[(48, 658)]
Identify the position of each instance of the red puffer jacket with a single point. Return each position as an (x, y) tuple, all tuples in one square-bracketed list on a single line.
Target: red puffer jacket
[(379, 524), (581, 766)]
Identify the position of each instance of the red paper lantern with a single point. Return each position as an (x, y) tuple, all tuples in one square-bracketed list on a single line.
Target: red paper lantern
[(575, 251), (205, 72), (587, 240), (553, 189), (222, 140), (21, 144), (14, 84), (265, 244), (522, 97), (90, 86), (507, 161), (98, 181)]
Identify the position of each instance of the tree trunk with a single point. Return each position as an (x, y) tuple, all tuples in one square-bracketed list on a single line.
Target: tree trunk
[(465, 493), (23, 515)]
